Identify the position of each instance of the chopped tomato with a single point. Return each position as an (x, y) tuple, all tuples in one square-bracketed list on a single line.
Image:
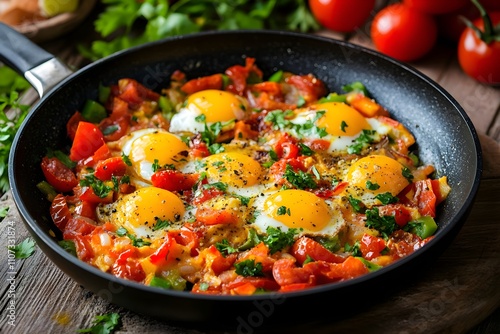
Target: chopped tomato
[(115, 128), (209, 82), (285, 272), (78, 226), (260, 254), (199, 149), (59, 211), (83, 247), (101, 153), (106, 169), (243, 130), (365, 105), (400, 213), (278, 169), (305, 247), (318, 144), (134, 93), (58, 174), (330, 272), (86, 209), (216, 261), (88, 138), (239, 75), (207, 194), (403, 243), (247, 285), (127, 266), (173, 180), (88, 194), (371, 246), (167, 253), (426, 199), (308, 85), (72, 124), (187, 238)]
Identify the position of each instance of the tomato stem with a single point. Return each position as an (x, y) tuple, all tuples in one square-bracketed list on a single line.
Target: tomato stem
[(489, 34)]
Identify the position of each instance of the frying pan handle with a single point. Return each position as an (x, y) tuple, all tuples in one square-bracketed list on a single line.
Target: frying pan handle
[(40, 68)]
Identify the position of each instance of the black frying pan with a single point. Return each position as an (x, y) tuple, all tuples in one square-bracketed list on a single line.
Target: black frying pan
[(444, 133)]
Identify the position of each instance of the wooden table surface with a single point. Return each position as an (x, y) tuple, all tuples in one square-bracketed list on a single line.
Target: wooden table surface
[(460, 293)]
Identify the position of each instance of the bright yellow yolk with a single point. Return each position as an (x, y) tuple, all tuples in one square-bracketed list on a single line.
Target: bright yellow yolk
[(145, 206), (234, 169), (216, 105), (161, 146), (376, 174), (298, 209), (341, 120)]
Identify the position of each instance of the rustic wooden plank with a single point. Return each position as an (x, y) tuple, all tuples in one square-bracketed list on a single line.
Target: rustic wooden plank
[(494, 130)]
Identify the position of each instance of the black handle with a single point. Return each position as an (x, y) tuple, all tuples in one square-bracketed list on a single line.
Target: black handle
[(18, 52)]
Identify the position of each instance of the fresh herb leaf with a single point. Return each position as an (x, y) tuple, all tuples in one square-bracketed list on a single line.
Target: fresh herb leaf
[(4, 211), (372, 186), (283, 210), (24, 249), (305, 150), (249, 268), (308, 259), (356, 204), (100, 188), (355, 249), (356, 87), (103, 324), (343, 125), (300, 179), (361, 142), (384, 224), (387, 198), (277, 240), (126, 159), (68, 246), (161, 224), (276, 76), (408, 174), (225, 248)]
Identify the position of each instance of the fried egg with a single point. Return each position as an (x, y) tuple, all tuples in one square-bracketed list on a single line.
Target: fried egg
[(208, 106), (298, 209), (342, 123), (374, 175), (146, 147), (140, 211), (239, 172)]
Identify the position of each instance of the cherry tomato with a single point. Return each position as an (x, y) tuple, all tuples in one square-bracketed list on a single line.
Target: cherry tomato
[(173, 180), (106, 169), (304, 247), (341, 15), (480, 60), (435, 7), (403, 33), (58, 175)]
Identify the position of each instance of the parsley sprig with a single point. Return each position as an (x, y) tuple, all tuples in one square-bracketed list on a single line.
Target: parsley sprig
[(127, 23)]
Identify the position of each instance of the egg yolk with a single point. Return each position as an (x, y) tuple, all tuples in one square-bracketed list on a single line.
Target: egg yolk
[(341, 120), (216, 105), (146, 205), (235, 169), (298, 209), (376, 174), (161, 146)]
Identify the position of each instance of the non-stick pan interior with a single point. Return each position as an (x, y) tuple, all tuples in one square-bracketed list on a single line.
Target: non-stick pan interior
[(445, 135)]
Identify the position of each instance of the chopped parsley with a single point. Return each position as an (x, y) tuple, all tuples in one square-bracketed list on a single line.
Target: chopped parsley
[(126, 159), (343, 125), (280, 121), (225, 248), (68, 246), (407, 174), (299, 179), (24, 249), (305, 150), (277, 240), (361, 142), (387, 198), (355, 249), (372, 186), (100, 188), (356, 204), (384, 224), (161, 224), (103, 324), (283, 210), (136, 242), (249, 268)]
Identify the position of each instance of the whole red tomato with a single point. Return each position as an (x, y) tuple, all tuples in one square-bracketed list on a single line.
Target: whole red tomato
[(479, 56), (436, 6), (403, 33), (341, 15)]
